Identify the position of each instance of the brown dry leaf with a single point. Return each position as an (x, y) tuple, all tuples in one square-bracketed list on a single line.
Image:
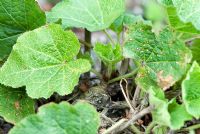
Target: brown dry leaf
[(164, 82)]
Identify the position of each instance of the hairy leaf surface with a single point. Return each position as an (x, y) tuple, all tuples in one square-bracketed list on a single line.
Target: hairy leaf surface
[(108, 54), (167, 113), (15, 104), (162, 59), (178, 25), (61, 118), (43, 61), (191, 90), (91, 14), (17, 17), (125, 20), (188, 11)]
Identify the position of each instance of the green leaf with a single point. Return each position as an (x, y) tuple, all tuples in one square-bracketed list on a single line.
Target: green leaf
[(15, 104), (160, 130), (177, 24), (166, 2), (154, 11), (188, 11), (43, 61), (195, 47), (125, 20), (17, 17), (178, 114), (61, 118), (191, 90), (162, 59), (86, 56), (167, 113), (95, 14), (108, 54)]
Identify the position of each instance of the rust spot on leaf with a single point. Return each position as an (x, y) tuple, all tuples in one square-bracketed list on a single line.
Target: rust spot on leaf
[(164, 82), (17, 105)]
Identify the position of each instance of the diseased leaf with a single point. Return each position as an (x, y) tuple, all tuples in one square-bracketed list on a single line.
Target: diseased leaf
[(93, 15), (191, 90), (167, 113), (42, 60), (108, 54), (162, 59), (61, 118), (15, 104), (17, 17), (188, 11)]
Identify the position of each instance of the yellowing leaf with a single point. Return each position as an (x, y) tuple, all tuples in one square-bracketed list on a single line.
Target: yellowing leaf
[(43, 61)]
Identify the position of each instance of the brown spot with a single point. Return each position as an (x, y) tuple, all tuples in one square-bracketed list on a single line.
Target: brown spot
[(17, 105), (164, 82)]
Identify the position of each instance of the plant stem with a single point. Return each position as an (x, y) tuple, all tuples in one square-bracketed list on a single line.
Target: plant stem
[(88, 37), (123, 76), (110, 38), (109, 71), (115, 126), (136, 97), (118, 38), (87, 49), (126, 95), (136, 117), (191, 128), (135, 129), (124, 66), (85, 43), (96, 73), (149, 127), (192, 38)]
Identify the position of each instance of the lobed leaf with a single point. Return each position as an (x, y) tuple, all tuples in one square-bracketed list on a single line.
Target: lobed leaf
[(191, 90), (15, 104), (61, 118), (167, 113), (93, 15), (17, 17), (108, 54), (188, 11), (162, 59), (43, 61)]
